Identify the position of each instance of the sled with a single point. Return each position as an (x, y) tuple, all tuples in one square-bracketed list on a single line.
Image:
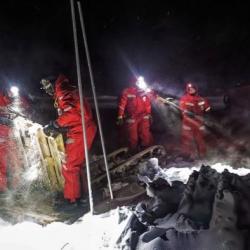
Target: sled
[(120, 170)]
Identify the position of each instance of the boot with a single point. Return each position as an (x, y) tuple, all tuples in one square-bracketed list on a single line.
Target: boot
[(83, 202), (67, 207)]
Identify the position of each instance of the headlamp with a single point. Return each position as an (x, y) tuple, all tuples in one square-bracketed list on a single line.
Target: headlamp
[(141, 84), (14, 91)]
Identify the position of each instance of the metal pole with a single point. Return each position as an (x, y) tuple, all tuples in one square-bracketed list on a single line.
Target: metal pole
[(95, 98), (82, 104)]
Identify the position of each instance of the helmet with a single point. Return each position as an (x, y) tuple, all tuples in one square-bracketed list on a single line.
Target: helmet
[(47, 86), (191, 88)]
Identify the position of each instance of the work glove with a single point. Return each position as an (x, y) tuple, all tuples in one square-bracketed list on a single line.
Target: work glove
[(119, 121), (190, 114), (51, 129), (150, 119)]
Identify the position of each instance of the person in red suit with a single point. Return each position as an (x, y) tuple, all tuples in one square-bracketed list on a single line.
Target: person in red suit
[(5, 137), (134, 112), (11, 104), (67, 102), (193, 108), (18, 105)]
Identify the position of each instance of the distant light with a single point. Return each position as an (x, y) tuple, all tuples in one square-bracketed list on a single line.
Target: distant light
[(14, 91)]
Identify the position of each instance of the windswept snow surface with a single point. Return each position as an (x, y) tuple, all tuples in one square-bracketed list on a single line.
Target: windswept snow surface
[(89, 232)]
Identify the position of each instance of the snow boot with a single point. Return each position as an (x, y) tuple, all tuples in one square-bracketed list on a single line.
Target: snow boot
[(83, 202), (68, 207)]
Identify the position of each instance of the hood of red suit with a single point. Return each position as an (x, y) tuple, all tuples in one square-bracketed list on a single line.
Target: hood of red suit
[(60, 79)]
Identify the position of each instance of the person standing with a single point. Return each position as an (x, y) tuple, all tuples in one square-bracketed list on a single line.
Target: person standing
[(134, 112), (193, 108), (67, 101)]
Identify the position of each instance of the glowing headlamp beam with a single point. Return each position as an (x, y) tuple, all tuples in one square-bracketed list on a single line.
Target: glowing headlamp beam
[(14, 90), (141, 84)]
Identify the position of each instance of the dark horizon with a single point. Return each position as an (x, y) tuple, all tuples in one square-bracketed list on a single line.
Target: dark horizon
[(168, 43)]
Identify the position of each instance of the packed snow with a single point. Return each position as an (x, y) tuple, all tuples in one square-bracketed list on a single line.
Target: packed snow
[(89, 232), (92, 232)]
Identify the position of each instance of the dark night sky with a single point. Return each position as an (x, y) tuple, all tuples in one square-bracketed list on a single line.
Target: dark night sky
[(167, 41)]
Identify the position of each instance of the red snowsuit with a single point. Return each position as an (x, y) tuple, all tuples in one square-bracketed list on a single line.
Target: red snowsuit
[(193, 127), (5, 132), (67, 100), (21, 105), (135, 107)]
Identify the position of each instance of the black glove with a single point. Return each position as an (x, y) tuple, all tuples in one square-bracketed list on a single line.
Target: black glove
[(51, 129), (119, 121), (190, 114)]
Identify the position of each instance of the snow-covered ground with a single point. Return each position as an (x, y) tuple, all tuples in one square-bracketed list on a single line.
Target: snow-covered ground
[(90, 232), (182, 174)]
